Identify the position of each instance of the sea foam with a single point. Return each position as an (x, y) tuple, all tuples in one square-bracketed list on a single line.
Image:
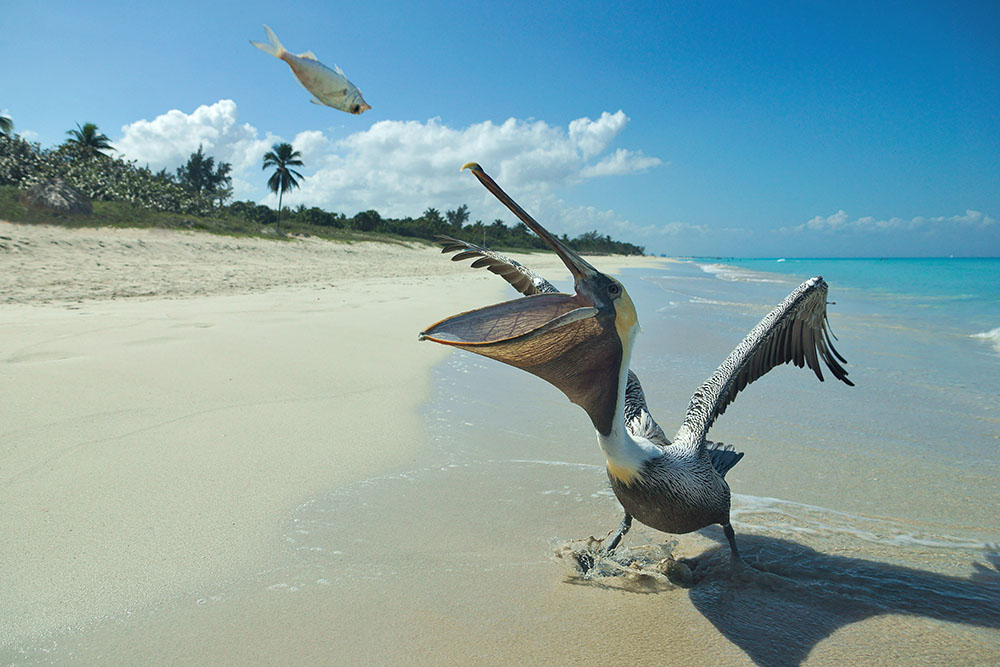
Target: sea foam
[(992, 336), (736, 274)]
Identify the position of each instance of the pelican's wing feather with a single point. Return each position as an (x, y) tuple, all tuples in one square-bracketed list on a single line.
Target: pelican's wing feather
[(796, 331), (520, 277), (638, 420)]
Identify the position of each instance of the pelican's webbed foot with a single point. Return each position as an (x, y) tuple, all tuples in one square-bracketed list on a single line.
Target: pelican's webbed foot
[(587, 560)]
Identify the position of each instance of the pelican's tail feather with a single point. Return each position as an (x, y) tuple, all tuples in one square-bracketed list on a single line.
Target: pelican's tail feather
[(723, 456), (274, 48)]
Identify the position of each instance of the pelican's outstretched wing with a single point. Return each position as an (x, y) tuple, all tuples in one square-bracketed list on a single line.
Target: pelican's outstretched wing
[(638, 420), (521, 278), (796, 331)]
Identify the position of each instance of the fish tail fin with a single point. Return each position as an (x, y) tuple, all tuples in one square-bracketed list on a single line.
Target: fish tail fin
[(274, 48)]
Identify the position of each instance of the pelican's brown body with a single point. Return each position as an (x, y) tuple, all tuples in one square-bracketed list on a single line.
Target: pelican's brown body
[(674, 497)]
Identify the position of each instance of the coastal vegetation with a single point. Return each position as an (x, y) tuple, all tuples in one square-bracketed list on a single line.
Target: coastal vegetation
[(282, 157), (126, 194), (89, 140)]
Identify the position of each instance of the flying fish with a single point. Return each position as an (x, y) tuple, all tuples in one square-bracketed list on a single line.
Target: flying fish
[(329, 87)]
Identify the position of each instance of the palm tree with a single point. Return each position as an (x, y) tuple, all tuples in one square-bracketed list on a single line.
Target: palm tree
[(6, 125), (281, 157), (89, 138)]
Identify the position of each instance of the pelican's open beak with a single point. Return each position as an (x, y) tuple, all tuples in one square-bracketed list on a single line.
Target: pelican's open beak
[(575, 342), (580, 269)]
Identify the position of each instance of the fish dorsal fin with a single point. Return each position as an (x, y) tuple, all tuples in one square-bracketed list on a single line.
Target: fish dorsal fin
[(336, 68), (309, 55)]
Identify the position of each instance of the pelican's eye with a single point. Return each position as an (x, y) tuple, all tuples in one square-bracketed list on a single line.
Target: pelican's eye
[(614, 289)]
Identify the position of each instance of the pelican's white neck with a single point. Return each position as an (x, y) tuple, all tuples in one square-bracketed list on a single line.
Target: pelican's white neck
[(625, 454)]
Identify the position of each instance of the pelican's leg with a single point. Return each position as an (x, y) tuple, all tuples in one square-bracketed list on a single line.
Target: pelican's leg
[(622, 529), (736, 562)]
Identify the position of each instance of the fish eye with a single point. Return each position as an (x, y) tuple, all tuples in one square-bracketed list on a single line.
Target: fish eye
[(355, 108), (614, 289)]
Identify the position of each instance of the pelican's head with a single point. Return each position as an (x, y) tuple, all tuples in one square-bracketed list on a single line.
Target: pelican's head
[(580, 343)]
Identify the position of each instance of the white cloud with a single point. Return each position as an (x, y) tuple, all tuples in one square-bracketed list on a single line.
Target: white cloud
[(593, 136), (835, 221), (681, 228), (402, 167), (169, 139), (312, 144), (841, 222), (620, 162), (970, 219)]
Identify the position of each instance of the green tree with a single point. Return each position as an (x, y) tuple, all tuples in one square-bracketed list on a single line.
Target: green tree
[(317, 216), (366, 221), (498, 231), (6, 125), (457, 217), (281, 157), (200, 175), (163, 176), (432, 223), (88, 138)]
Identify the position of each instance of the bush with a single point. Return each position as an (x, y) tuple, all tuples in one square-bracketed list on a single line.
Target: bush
[(317, 216), (366, 221), (252, 211), (96, 176)]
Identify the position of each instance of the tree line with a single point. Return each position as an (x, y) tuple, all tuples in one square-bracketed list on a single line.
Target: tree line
[(202, 186)]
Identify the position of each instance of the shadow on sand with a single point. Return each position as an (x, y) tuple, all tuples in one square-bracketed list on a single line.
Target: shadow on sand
[(790, 596)]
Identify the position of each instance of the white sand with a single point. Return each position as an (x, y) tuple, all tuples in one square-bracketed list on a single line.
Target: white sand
[(47, 264), (149, 446)]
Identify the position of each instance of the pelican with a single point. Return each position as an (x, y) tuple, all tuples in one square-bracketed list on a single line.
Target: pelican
[(582, 343)]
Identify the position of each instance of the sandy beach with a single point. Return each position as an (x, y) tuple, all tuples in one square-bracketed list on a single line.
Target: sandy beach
[(168, 397), (235, 451)]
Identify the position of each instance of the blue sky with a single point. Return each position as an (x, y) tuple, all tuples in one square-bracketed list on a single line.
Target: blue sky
[(700, 128)]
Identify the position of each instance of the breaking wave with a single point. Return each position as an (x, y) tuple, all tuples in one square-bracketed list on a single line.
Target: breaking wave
[(736, 274), (992, 337)]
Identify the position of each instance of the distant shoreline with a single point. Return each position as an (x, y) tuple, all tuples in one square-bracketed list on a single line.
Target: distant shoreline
[(53, 264)]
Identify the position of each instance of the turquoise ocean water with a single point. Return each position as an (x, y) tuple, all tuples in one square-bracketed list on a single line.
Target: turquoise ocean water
[(952, 292)]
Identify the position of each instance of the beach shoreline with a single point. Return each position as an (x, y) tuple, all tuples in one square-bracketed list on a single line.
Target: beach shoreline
[(171, 396)]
